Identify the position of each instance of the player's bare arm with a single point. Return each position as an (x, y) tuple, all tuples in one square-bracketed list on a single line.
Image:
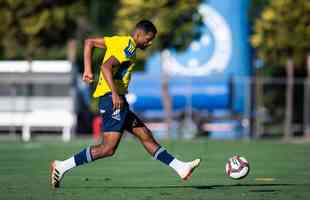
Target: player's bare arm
[(89, 44), (106, 69)]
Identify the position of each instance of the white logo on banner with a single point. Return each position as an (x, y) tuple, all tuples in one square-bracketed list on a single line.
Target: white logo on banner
[(222, 48)]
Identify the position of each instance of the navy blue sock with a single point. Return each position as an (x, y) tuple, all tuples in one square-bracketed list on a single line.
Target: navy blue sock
[(162, 155), (83, 157)]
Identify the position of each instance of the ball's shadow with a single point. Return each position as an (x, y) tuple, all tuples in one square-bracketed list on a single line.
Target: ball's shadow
[(239, 185)]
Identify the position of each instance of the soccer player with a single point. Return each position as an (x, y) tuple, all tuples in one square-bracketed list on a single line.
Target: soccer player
[(113, 83)]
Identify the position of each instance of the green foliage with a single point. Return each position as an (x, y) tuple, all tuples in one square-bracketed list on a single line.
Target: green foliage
[(40, 29), (283, 30), (101, 15), (36, 29), (176, 21)]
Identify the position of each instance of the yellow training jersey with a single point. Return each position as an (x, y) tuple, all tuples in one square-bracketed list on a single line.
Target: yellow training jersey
[(123, 48)]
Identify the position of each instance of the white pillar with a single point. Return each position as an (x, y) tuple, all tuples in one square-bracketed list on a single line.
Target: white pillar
[(26, 134), (66, 134)]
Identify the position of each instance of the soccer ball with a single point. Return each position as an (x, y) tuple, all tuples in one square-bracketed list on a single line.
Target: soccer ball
[(237, 167)]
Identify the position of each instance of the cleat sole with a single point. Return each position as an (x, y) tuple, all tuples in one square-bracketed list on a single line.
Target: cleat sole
[(52, 169)]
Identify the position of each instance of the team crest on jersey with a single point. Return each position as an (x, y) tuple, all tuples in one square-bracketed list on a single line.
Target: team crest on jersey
[(130, 50)]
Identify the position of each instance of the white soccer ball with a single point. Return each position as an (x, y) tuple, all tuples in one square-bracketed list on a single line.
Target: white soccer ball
[(237, 167)]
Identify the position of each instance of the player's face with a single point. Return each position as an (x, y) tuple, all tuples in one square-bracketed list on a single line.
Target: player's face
[(145, 39)]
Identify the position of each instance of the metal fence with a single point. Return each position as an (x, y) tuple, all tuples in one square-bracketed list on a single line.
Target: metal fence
[(263, 112), (273, 113)]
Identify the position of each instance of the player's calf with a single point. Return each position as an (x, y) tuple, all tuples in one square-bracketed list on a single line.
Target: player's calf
[(101, 151)]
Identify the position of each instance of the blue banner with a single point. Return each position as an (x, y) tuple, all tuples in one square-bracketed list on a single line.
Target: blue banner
[(207, 68)]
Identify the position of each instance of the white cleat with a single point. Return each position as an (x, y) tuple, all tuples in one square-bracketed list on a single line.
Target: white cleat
[(56, 174), (187, 171)]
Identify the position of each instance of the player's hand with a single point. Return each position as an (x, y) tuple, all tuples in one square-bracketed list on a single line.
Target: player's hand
[(118, 101), (88, 77)]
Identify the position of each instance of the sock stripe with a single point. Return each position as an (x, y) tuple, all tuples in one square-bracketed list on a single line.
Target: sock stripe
[(158, 151), (88, 155), (162, 155), (81, 158)]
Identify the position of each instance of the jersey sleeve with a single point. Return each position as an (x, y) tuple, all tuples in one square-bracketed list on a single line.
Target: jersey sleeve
[(116, 47)]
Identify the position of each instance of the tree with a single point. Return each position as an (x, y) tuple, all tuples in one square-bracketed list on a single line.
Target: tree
[(281, 38), (37, 28), (177, 23), (101, 16), (256, 9), (283, 31)]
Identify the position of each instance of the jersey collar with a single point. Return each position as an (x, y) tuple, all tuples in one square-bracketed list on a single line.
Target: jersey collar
[(133, 41)]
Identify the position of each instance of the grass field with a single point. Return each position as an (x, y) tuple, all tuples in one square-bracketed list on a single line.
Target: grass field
[(278, 171)]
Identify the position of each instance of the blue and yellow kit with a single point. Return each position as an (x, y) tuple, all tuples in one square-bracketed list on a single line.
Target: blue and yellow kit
[(123, 48)]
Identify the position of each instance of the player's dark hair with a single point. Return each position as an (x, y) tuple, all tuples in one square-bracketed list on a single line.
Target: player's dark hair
[(147, 26)]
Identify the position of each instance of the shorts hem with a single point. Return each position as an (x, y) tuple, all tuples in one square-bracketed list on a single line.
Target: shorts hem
[(115, 131)]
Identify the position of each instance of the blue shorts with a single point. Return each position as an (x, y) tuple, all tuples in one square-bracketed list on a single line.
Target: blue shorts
[(117, 120)]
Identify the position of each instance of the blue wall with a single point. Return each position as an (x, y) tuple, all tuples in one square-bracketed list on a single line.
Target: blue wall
[(206, 67)]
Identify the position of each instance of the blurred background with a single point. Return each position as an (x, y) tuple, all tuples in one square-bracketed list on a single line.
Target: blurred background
[(218, 68)]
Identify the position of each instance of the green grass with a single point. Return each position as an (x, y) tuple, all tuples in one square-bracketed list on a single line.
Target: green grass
[(132, 174)]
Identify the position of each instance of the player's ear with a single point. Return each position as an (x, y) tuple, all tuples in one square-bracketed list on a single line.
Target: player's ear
[(140, 33)]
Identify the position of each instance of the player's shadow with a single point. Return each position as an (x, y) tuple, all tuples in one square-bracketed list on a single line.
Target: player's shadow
[(200, 187)]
